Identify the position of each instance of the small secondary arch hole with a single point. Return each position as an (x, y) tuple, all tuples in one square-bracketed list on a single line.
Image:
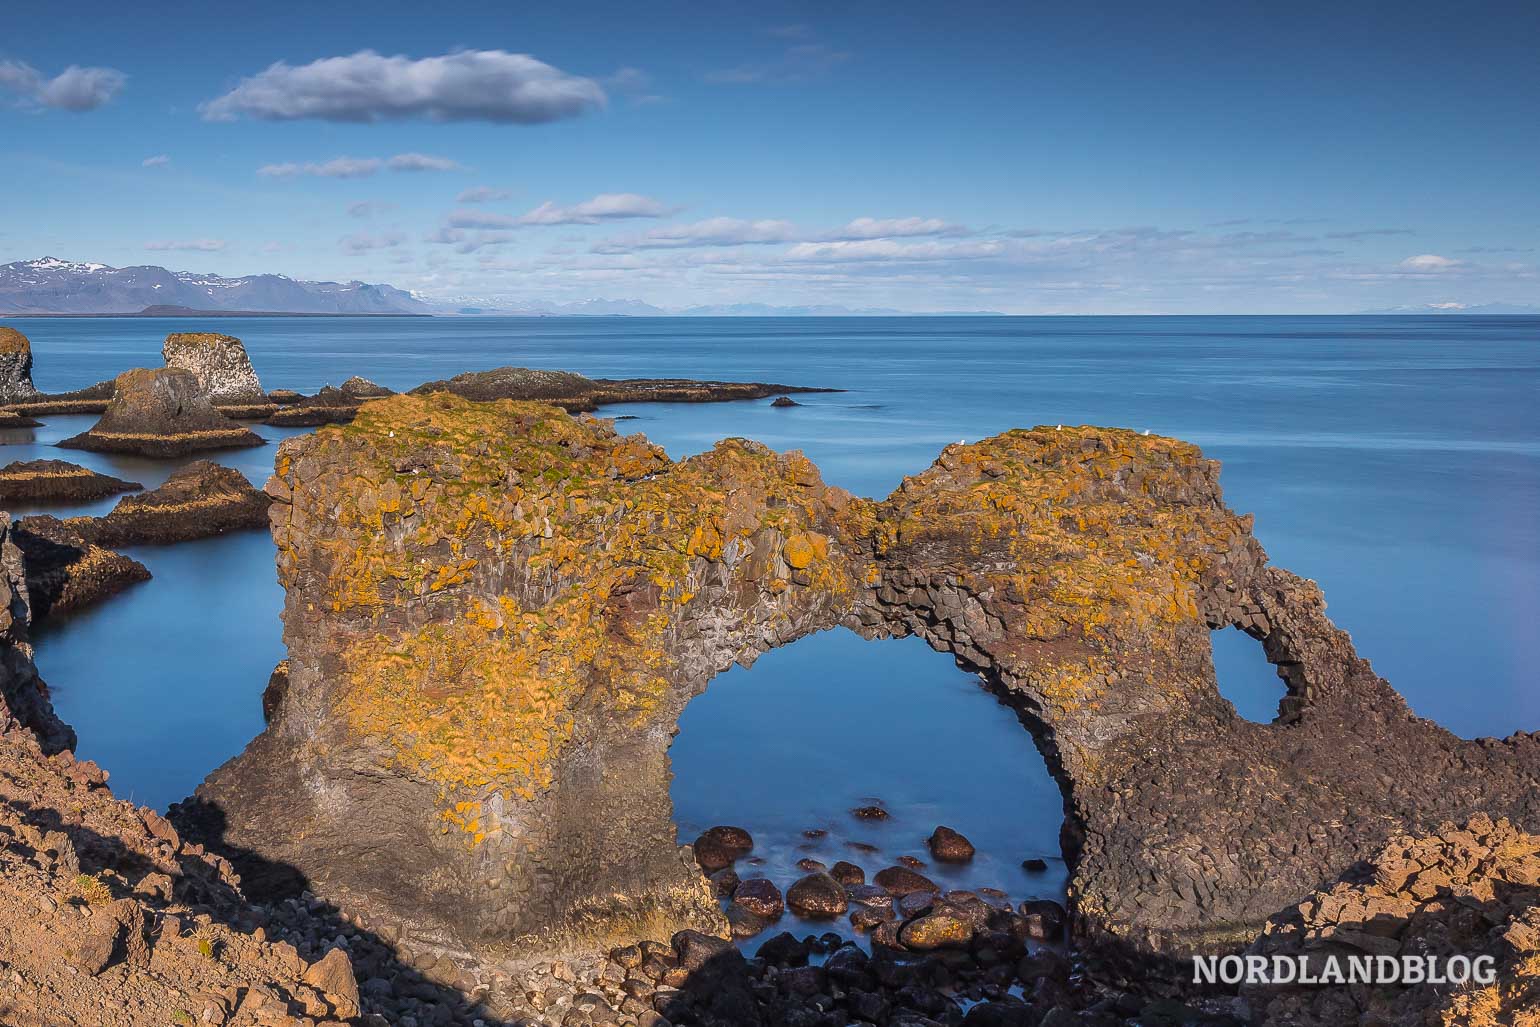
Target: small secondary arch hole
[(1245, 677), (833, 722)]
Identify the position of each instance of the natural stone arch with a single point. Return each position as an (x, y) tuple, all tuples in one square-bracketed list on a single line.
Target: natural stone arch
[(495, 614)]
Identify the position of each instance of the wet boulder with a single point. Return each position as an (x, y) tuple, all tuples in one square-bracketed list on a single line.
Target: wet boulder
[(817, 896), (949, 846)]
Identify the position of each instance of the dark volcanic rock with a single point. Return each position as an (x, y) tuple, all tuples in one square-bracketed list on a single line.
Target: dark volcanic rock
[(949, 847), (847, 873), (817, 896), (903, 881), (760, 897), (15, 366), (362, 388), (201, 499), (66, 571), (161, 413), (869, 813), (940, 929), (93, 399), (220, 364), (785, 401), (329, 406), (574, 392), (33, 481), (496, 614)]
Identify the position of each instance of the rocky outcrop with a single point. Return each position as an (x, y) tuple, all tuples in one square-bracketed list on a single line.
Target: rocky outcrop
[(362, 388), (93, 399), (1467, 892), (200, 500), (329, 406), (15, 366), (496, 614), (575, 393), (66, 570), (25, 712), (161, 413), (35, 481), (223, 370)]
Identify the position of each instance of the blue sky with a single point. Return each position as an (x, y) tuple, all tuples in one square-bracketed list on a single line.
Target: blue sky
[(1118, 158)]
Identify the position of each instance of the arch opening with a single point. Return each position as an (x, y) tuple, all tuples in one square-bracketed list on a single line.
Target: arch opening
[(1246, 677), (819, 728)]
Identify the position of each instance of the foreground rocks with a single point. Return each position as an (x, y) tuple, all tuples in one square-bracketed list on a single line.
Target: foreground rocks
[(585, 587), (39, 481), (1468, 891), (199, 500), (161, 413), (223, 369)]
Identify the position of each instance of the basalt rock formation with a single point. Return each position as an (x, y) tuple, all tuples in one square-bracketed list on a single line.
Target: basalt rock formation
[(199, 500), (575, 393), (67, 570), (1466, 892), (25, 712), (32, 481), (93, 399), (223, 370), (161, 413), (15, 366), (329, 406), (496, 614)]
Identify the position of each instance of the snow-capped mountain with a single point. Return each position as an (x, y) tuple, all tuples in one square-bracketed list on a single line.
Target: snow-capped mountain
[(53, 286)]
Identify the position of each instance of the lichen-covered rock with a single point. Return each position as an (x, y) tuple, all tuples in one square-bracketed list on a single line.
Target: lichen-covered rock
[(223, 369), (34, 481), (161, 413), (199, 500), (496, 613), (1461, 893), (15, 366)]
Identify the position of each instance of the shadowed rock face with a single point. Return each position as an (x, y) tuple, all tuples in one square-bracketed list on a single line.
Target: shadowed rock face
[(220, 364), (161, 413), (496, 614), (15, 366), (24, 705)]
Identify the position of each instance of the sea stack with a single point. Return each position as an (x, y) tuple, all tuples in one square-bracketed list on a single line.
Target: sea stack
[(15, 366), (163, 412), (222, 368)]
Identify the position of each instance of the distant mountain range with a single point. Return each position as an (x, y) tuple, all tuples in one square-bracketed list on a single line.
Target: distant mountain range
[(53, 286)]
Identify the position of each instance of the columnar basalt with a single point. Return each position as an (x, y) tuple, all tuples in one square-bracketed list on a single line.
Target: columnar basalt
[(197, 501), (33, 481), (223, 369), (496, 614), (163, 412), (15, 366)]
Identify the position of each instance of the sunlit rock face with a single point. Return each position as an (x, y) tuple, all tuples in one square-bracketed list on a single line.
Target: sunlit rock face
[(496, 613), (223, 370), (15, 366)]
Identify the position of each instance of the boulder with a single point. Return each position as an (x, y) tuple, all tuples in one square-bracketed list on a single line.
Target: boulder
[(948, 846), (943, 928), (904, 881), (15, 366), (760, 897), (220, 364), (817, 897), (161, 413)]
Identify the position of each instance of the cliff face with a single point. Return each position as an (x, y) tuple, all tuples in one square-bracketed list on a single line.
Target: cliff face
[(496, 614), (15, 366)]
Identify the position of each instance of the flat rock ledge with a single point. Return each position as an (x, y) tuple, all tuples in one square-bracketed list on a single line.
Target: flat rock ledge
[(200, 500), (163, 412), (38, 481), (496, 613)]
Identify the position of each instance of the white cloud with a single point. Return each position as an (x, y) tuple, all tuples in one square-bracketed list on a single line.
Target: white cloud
[(604, 207), (160, 160), (480, 219), (359, 167), (890, 250), (421, 162), (467, 85), (482, 194), (710, 232), (887, 228), (1429, 262), (199, 245), (74, 89)]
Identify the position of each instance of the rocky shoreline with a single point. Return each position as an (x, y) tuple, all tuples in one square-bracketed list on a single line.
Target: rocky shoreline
[(496, 611)]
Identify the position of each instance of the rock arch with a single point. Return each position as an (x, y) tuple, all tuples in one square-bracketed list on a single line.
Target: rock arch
[(496, 612)]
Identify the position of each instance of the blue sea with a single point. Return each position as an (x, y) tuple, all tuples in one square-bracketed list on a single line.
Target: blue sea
[(1395, 460)]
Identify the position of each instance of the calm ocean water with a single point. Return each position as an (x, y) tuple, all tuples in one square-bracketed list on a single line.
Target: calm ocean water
[(1395, 460)]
